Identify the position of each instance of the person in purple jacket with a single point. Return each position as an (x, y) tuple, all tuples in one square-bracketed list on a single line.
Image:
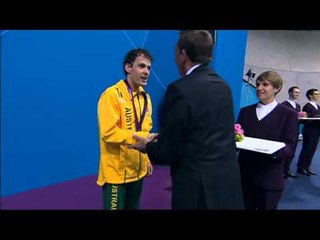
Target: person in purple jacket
[(294, 93), (310, 132), (262, 174)]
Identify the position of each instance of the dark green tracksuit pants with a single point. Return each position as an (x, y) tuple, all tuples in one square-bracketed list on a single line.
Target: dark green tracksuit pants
[(122, 196)]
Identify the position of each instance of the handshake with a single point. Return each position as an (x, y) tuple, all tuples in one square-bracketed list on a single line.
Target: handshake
[(141, 142)]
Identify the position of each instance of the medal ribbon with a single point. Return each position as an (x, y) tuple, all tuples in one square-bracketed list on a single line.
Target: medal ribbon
[(145, 107)]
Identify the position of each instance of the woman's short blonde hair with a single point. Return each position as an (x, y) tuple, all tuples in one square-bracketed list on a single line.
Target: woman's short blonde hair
[(273, 78)]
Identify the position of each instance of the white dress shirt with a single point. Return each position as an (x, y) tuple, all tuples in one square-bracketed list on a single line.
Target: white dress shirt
[(263, 110), (293, 103)]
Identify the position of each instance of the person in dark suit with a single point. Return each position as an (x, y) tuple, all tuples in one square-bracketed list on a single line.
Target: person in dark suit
[(294, 93), (197, 138), (310, 132), (262, 174)]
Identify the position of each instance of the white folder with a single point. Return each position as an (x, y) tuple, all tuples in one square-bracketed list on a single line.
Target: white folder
[(260, 145), (309, 119)]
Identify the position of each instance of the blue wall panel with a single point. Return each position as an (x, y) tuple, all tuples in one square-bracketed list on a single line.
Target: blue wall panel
[(51, 81), (248, 95), (229, 60)]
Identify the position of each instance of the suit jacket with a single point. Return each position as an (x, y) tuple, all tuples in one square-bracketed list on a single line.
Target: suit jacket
[(311, 128), (298, 107), (197, 140), (264, 170)]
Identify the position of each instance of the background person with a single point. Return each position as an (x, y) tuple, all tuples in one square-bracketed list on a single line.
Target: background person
[(262, 174)]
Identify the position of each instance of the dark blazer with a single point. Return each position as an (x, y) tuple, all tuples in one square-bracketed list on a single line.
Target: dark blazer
[(311, 128), (311, 133), (298, 107), (264, 170), (197, 140)]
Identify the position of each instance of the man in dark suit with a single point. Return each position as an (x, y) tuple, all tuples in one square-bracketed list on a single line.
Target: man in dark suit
[(197, 138), (310, 132), (294, 93)]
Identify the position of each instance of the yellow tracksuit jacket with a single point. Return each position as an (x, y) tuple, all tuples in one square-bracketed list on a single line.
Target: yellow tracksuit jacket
[(116, 120)]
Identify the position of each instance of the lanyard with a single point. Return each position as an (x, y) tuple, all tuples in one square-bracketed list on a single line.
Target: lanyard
[(145, 107)]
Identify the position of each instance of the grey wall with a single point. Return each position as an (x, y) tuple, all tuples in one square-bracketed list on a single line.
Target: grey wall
[(293, 54)]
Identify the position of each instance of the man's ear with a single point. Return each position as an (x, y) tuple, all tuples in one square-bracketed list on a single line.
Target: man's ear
[(128, 67), (183, 55)]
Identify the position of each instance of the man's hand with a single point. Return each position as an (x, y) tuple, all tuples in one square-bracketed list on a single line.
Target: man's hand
[(141, 142), (152, 137), (149, 169)]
